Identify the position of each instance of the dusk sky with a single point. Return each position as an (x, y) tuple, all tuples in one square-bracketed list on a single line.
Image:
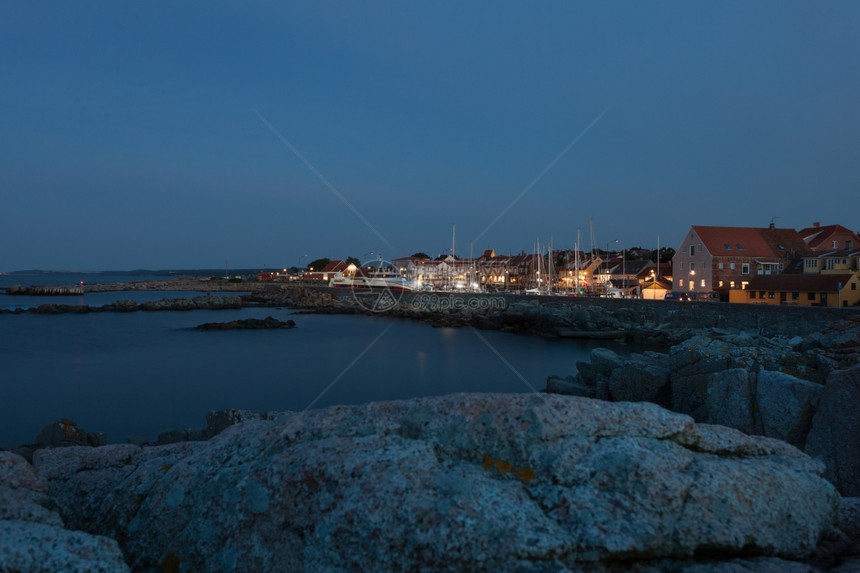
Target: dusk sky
[(185, 134)]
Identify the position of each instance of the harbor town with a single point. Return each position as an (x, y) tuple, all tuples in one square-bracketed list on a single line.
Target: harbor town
[(814, 266)]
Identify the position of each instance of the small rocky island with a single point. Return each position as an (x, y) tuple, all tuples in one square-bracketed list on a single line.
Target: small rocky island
[(267, 323)]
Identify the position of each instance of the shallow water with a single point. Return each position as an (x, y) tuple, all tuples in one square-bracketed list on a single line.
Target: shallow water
[(143, 372)]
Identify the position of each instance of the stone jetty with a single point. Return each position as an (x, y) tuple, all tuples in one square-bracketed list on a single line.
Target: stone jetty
[(45, 290)]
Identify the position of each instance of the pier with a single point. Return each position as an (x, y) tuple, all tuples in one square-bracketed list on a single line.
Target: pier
[(46, 290)]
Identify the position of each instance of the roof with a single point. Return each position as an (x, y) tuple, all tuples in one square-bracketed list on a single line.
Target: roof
[(658, 283), (816, 236), (805, 283), (751, 241), (334, 267)]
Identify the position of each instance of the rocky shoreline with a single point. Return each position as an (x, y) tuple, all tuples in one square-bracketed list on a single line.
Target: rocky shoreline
[(687, 457)]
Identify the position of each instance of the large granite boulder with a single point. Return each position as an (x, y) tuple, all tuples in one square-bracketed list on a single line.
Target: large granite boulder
[(692, 363), (730, 399), (835, 433), (785, 405), (463, 482), (766, 403), (641, 378), (32, 536)]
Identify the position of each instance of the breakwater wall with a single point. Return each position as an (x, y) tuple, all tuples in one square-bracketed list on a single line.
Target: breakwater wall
[(767, 320), (45, 290)]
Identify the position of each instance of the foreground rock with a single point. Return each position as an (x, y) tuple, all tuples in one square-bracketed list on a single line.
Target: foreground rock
[(32, 535), (462, 482)]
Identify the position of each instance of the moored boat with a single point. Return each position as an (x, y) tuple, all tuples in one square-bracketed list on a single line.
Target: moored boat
[(377, 280)]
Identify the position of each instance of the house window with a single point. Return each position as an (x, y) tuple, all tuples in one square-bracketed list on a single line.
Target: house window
[(745, 268), (728, 247), (795, 295), (721, 284), (849, 244), (681, 283), (740, 247), (731, 266), (835, 244), (853, 286), (810, 296), (752, 294), (770, 295), (732, 284), (720, 266), (761, 294), (703, 283), (692, 250), (692, 266)]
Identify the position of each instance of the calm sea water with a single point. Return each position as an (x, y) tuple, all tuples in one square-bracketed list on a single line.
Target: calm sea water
[(143, 372)]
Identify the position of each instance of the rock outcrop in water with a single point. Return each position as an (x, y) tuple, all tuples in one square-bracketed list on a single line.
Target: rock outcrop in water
[(267, 323), (462, 482)]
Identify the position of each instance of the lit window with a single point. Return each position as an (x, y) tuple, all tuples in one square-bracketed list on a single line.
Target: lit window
[(732, 284), (721, 284), (703, 283)]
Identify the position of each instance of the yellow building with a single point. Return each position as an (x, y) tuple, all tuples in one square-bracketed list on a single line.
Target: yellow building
[(801, 289)]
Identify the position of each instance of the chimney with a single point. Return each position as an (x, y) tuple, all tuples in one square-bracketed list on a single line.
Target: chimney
[(816, 224)]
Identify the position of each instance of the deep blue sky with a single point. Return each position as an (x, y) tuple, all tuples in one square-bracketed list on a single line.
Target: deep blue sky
[(159, 134)]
